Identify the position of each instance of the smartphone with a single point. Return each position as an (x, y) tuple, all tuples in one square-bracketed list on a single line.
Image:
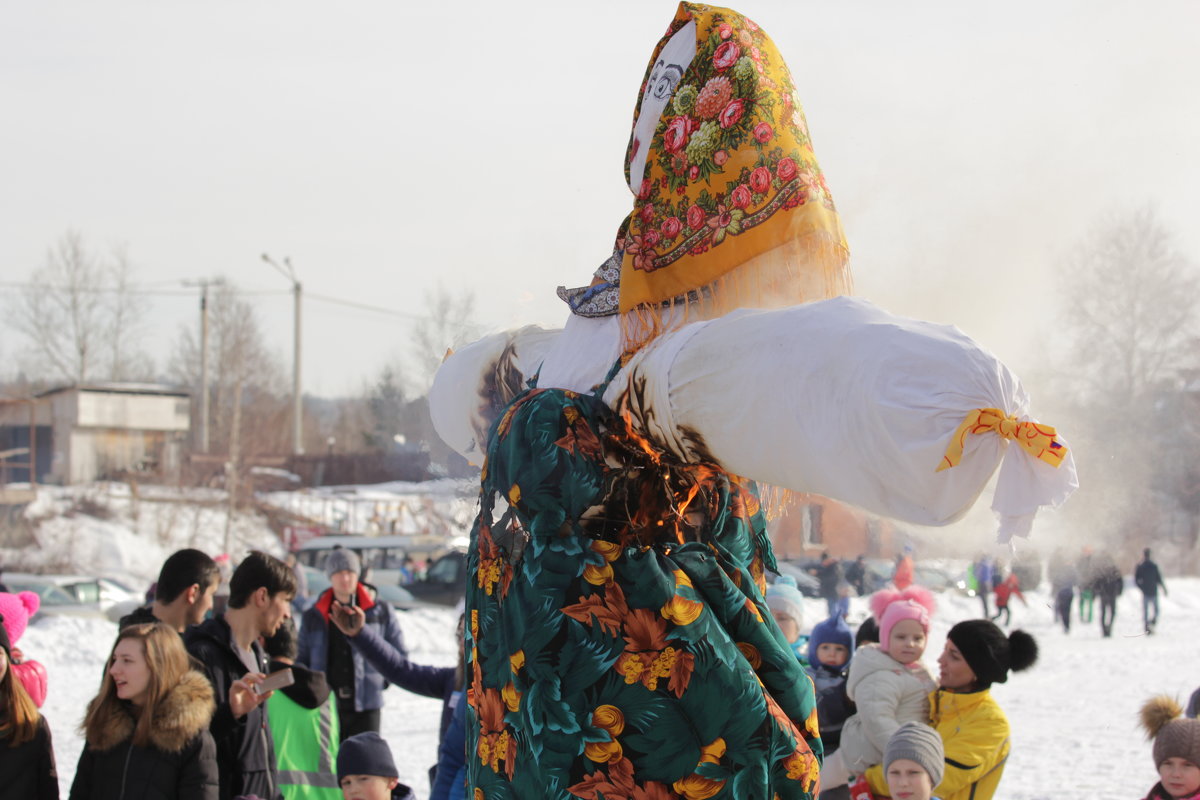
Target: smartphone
[(276, 680)]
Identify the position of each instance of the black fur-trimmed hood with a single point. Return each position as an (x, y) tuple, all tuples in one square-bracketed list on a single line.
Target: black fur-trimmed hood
[(178, 719)]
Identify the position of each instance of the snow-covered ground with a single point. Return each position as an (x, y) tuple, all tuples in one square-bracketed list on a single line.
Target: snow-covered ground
[(1074, 715)]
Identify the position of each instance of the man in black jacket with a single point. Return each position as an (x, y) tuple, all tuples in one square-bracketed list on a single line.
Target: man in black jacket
[(1148, 579), (183, 594), (260, 597)]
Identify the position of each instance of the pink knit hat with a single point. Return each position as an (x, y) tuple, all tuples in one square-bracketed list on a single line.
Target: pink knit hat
[(890, 606)]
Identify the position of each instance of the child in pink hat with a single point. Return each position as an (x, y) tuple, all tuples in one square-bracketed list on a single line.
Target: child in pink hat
[(887, 682)]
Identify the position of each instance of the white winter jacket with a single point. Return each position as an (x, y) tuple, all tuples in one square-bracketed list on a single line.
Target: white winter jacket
[(887, 694)]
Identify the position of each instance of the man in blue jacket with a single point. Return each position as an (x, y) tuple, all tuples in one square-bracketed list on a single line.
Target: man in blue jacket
[(357, 685), (1148, 579)]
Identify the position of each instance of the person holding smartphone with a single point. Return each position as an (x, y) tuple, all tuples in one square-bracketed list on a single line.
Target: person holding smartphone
[(260, 599), (356, 683)]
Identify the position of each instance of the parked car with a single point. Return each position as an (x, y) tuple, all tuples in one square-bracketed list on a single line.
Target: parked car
[(445, 581), (806, 582), (398, 596), (76, 595)]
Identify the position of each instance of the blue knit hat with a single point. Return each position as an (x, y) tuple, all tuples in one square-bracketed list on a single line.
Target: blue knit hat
[(831, 631), (366, 754), (784, 597)]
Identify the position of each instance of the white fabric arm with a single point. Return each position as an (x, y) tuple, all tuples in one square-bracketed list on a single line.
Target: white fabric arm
[(843, 399)]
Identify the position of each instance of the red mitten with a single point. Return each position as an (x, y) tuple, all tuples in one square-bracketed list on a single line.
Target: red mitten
[(860, 789), (33, 676)]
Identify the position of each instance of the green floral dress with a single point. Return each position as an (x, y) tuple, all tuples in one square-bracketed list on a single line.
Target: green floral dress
[(618, 641)]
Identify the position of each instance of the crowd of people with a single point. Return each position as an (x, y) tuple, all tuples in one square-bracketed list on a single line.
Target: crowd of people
[(200, 704), (876, 700), (179, 714)]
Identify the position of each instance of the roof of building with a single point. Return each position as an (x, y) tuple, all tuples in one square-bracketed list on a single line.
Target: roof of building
[(117, 387)]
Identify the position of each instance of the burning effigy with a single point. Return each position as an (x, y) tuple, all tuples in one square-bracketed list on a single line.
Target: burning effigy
[(618, 642)]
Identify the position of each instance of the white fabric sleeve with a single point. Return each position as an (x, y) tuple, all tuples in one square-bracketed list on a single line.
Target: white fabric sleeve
[(842, 399)]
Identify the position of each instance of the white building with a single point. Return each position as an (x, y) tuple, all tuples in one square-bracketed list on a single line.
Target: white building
[(94, 431)]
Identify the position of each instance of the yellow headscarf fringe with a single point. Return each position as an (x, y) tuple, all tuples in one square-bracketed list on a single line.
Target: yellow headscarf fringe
[(814, 267)]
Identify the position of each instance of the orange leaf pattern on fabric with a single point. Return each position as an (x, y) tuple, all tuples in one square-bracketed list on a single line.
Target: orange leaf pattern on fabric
[(643, 573)]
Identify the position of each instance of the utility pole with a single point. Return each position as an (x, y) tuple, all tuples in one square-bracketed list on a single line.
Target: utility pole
[(297, 409), (204, 284)]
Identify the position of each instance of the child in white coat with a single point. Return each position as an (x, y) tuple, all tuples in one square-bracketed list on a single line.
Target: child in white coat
[(887, 682)]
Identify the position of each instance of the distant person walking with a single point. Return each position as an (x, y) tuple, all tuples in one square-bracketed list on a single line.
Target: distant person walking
[(1107, 584), (856, 575), (1148, 579), (1086, 572), (1005, 589), (905, 572), (1062, 586), (982, 569), (829, 574)]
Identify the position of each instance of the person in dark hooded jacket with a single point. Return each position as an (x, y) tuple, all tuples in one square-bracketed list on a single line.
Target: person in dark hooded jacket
[(304, 724), (444, 683), (147, 730), (260, 597)]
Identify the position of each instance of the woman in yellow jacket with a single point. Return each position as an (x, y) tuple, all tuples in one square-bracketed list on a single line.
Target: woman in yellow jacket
[(974, 730)]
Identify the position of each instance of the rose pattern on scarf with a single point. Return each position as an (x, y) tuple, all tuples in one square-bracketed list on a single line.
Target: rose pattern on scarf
[(731, 98)]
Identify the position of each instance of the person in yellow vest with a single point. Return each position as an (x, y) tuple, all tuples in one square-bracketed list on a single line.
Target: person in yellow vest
[(304, 721), (974, 730)]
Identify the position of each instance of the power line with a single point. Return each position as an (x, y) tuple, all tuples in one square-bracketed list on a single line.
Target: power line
[(134, 290), (146, 290), (365, 307)]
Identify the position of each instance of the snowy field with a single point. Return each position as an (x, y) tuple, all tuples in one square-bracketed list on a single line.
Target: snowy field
[(1074, 715)]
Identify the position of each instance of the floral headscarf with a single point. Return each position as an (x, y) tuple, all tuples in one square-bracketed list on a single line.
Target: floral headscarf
[(733, 208)]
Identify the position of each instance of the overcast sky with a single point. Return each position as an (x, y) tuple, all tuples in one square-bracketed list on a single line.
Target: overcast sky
[(388, 147)]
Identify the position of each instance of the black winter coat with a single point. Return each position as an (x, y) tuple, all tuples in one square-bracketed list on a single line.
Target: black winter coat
[(28, 770), (245, 750), (179, 764)]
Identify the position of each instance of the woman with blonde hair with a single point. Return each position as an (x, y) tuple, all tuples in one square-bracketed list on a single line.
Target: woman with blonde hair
[(147, 730), (26, 755)]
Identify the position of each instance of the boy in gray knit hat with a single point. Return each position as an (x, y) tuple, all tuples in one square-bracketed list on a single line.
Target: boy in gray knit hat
[(914, 761)]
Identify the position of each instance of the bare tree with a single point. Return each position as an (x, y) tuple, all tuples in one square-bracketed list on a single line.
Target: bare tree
[(1131, 309), (248, 384), (81, 317), (1129, 325), (449, 321), (126, 321)]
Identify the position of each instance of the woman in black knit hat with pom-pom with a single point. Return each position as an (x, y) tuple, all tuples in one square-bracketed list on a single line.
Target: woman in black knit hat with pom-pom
[(973, 728)]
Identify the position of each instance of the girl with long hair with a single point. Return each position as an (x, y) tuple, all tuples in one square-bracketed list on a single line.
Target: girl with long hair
[(27, 767), (147, 730)]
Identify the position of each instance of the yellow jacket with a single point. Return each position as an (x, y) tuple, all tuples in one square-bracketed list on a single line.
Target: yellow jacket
[(975, 734)]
